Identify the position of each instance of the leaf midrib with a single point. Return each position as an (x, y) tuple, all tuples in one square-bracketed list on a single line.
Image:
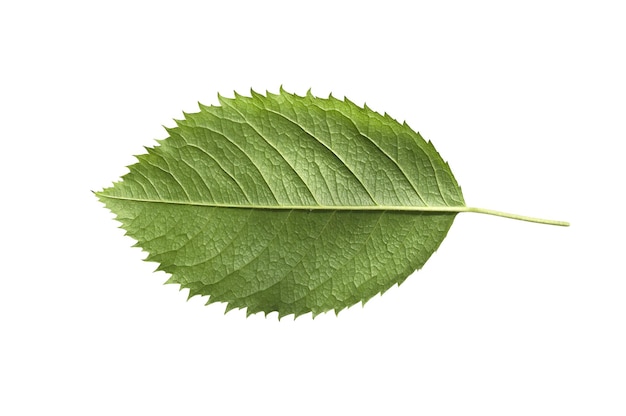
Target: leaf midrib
[(372, 208), (295, 207)]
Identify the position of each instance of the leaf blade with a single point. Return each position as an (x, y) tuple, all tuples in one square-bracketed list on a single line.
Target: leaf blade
[(296, 182)]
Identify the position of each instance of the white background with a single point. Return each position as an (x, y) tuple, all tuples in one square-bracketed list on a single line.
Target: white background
[(526, 102)]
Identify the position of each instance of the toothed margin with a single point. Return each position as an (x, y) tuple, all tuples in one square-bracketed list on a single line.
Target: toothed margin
[(255, 95)]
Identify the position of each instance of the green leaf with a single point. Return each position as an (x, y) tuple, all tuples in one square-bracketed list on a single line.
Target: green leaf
[(289, 204)]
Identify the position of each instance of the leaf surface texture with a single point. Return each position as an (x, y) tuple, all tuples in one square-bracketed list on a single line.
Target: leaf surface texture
[(285, 203)]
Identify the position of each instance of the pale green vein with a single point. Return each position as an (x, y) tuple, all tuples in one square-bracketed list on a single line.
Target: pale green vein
[(333, 276), (292, 268), (308, 188), (321, 142), (219, 165), (226, 138), (384, 153), (399, 208)]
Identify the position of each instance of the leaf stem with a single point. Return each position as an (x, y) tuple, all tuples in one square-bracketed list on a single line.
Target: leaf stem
[(515, 216)]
